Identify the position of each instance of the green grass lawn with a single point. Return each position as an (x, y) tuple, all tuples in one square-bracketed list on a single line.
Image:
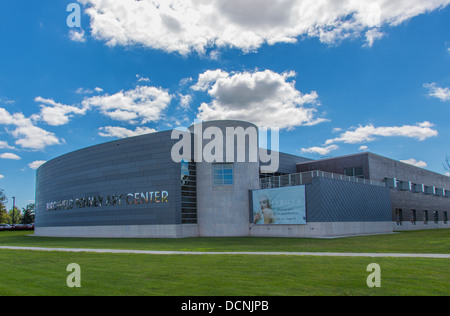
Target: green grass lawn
[(426, 241), (44, 273)]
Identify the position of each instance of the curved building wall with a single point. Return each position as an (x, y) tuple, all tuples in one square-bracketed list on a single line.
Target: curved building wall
[(125, 188), (223, 209)]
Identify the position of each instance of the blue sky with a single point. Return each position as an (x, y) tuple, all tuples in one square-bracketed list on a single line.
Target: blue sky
[(337, 79)]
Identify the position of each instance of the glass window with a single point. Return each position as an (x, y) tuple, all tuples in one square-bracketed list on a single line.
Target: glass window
[(223, 174), (436, 217), (425, 217), (399, 216), (188, 193), (357, 172), (413, 217), (445, 217)]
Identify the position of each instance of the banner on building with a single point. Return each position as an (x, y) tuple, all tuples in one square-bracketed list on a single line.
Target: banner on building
[(279, 206)]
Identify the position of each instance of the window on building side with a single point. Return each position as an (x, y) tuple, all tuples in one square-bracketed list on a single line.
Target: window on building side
[(223, 174), (357, 172), (188, 192), (445, 217), (413, 217), (436, 217), (399, 216), (425, 217)]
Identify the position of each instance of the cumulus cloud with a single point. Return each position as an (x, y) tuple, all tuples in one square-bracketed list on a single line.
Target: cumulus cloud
[(143, 104), (10, 156), (36, 164), (77, 36), (2, 176), (184, 26), (414, 162), (185, 101), (363, 148), (121, 132), (320, 150), (435, 91), (26, 133), (265, 98), (56, 114), (369, 133), (4, 145)]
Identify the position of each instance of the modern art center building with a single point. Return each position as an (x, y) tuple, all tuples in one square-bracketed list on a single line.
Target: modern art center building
[(162, 185)]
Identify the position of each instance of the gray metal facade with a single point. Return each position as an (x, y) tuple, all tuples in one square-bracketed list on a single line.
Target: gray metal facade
[(128, 166), (330, 200), (403, 198)]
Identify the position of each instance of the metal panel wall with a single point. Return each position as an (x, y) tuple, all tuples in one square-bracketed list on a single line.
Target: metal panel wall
[(330, 200), (132, 165)]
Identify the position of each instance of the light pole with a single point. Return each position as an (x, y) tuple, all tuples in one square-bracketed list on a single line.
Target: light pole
[(14, 207)]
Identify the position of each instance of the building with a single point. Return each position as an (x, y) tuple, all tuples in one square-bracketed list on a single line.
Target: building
[(208, 181), (419, 198)]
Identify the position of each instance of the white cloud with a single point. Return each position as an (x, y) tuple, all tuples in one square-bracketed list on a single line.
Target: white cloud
[(98, 90), (4, 145), (373, 35), (56, 114), (363, 148), (36, 164), (121, 132), (77, 36), (2, 176), (141, 105), (142, 79), (265, 98), (435, 91), (185, 101), (414, 162), (84, 91), (320, 150), (209, 77), (368, 133), (6, 101), (184, 26), (27, 134), (10, 156), (448, 174)]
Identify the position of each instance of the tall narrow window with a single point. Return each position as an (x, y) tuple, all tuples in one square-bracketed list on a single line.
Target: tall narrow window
[(445, 217), (413, 217), (223, 174), (436, 217), (399, 216), (188, 193), (425, 217)]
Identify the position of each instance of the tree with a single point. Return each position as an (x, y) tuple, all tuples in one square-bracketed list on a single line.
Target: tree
[(17, 216), (28, 214), (3, 213)]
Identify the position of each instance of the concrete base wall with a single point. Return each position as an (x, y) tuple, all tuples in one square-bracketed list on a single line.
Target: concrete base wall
[(144, 231), (310, 230), (321, 229), (406, 226)]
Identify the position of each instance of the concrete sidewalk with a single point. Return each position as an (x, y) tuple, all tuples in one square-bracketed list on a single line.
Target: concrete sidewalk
[(150, 252)]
